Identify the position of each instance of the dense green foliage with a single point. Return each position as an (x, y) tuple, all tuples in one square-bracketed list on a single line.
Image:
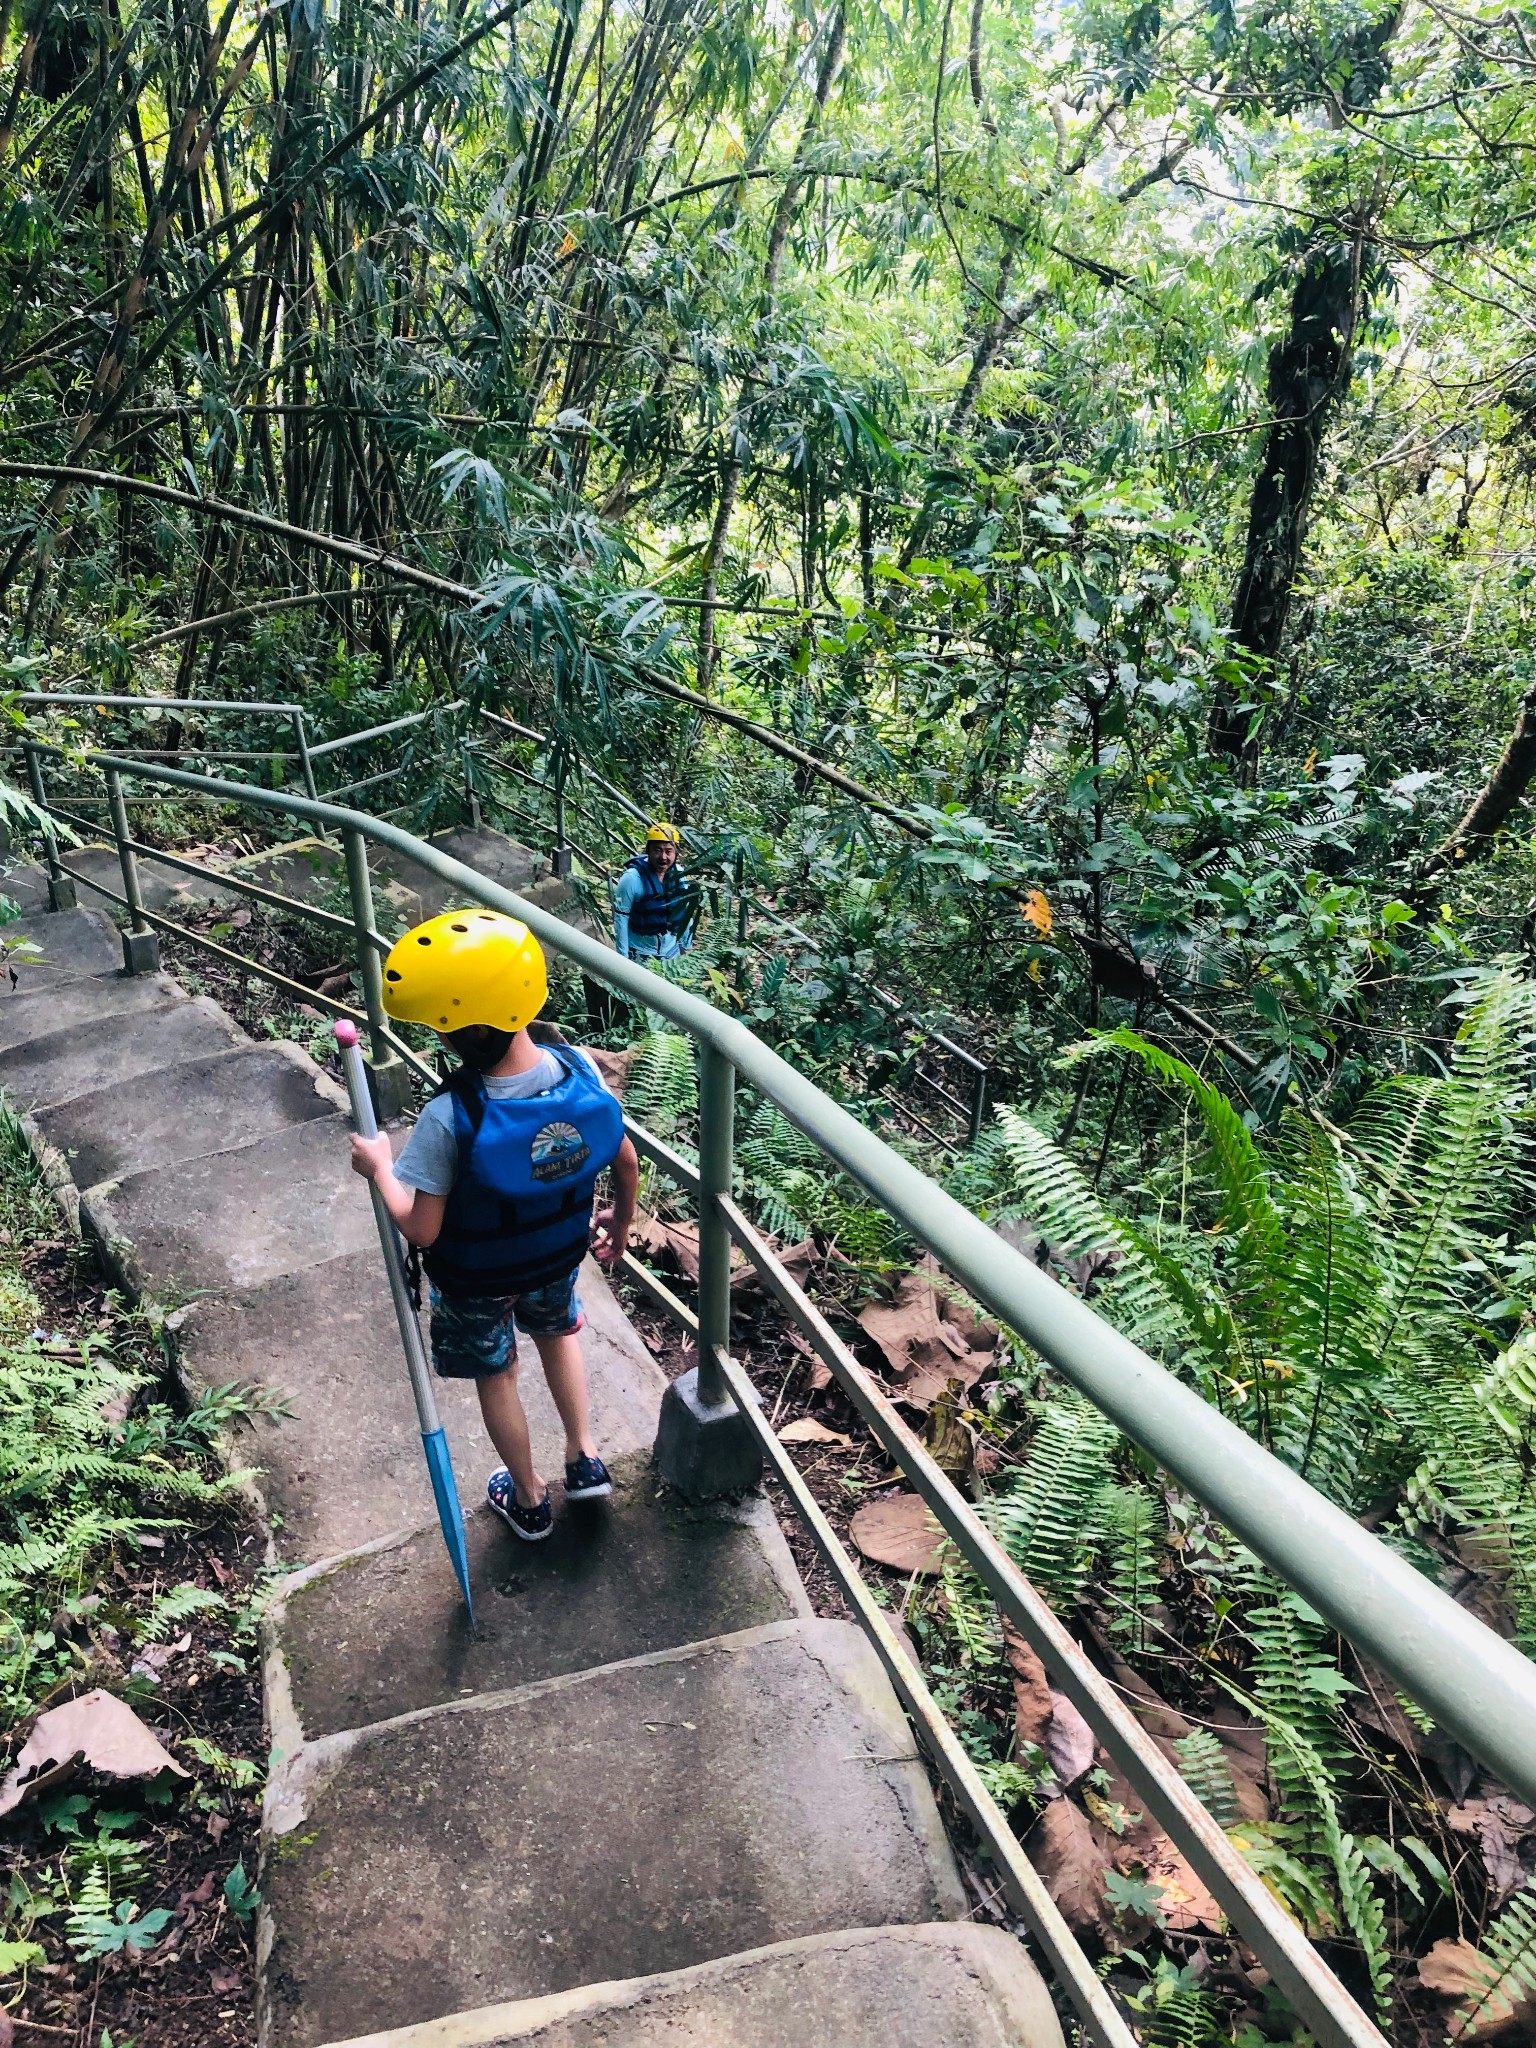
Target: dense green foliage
[(1094, 445)]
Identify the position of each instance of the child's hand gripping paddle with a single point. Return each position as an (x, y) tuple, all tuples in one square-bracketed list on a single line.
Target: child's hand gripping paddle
[(433, 1442)]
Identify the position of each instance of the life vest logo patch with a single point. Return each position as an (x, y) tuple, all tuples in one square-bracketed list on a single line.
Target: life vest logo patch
[(559, 1150)]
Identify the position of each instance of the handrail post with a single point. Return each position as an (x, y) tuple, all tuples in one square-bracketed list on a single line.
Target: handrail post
[(391, 1083), (467, 762), (306, 762), (717, 1132), (306, 765), (141, 943), (61, 887), (560, 857), (739, 882), (705, 1446), (978, 1106)]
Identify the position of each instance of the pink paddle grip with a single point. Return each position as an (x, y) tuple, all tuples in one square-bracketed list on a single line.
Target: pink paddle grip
[(346, 1032)]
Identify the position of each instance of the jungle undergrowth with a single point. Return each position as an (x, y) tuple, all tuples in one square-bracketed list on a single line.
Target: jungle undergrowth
[(128, 1565)]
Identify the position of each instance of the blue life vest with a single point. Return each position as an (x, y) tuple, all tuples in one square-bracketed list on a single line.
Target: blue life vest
[(520, 1212), (665, 903)]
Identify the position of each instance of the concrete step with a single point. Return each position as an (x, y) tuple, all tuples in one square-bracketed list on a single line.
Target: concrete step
[(73, 943), (68, 1004), (187, 1110), (345, 1469), (492, 854), (109, 1051), (168, 890), (25, 882), (939, 1986), (384, 1633), (635, 1819), (235, 1218)]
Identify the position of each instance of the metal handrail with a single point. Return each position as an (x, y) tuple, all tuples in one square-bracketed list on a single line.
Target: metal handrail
[(307, 754), (1478, 1687)]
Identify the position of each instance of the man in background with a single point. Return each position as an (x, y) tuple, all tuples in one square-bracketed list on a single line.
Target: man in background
[(653, 902)]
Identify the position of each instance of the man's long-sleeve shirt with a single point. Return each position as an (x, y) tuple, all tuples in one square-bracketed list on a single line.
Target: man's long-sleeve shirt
[(626, 893)]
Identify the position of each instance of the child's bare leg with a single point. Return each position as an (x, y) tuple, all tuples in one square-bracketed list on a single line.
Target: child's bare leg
[(567, 1375), (501, 1409)]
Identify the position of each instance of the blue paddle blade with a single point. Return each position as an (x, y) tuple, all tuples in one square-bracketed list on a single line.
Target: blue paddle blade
[(449, 1514)]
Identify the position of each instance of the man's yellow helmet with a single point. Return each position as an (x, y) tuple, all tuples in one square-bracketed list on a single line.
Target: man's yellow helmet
[(466, 967), (668, 834)]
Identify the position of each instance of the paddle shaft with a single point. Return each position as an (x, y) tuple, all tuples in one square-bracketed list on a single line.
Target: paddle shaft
[(389, 1242)]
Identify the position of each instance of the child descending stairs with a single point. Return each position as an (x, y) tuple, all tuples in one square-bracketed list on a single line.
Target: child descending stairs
[(656, 1799)]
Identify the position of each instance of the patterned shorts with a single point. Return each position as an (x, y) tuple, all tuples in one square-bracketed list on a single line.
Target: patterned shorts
[(475, 1338)]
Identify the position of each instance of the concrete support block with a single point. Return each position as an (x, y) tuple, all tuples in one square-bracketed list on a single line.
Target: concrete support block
[(390, 1083), (706, 1452), (61, 893), (141, 952)]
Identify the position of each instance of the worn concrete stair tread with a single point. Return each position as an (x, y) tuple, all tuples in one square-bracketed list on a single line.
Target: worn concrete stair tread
[(237, 1217), (171, 891), (25, 1017), (182, 1112), (385, 1632), (73, 943), (937, 1986), (638, 1818), (345, 1468), (26, 883), (104, 1052)]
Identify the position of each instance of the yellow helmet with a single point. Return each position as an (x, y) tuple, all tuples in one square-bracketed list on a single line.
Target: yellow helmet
[(663, 831), (466, 967)]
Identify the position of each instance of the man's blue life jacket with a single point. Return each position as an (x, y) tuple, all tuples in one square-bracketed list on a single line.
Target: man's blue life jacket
[(520, 1212), (665, 904)]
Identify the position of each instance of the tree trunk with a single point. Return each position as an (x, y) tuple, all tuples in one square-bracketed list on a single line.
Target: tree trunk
[(778, 238), (1308, 375), (1493, 806)]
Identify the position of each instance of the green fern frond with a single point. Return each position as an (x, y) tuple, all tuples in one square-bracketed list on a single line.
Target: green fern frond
[(1507, 1966), (1204, 1767), (1133, 1530), (971, 1615), (178, 1604), (1153, 1304), (1249, 1210), (1046, 1518), (662, 1090)]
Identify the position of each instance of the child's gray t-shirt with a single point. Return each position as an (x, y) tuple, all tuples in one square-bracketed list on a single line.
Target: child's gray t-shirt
[(429, 1159)]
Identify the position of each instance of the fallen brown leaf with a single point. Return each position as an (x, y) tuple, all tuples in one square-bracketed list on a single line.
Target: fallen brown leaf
[(96, 1729), (1500, 1825), (1032, 1705), (1456, 1970), (222, 1982), (900, 1532), (613, 1066), (807, 1430), (152, 1660), (1065, 1850), (1186, 1903), (910, 1332), (1069, 1741)]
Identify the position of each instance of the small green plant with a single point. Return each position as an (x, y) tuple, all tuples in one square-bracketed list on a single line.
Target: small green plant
[(93, 1934), (179, 1604), (240, 1894)]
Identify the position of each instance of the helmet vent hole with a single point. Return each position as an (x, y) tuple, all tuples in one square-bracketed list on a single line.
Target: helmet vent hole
[(391, 974), (459, 927), (423, 942)]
